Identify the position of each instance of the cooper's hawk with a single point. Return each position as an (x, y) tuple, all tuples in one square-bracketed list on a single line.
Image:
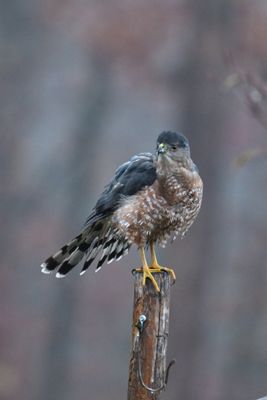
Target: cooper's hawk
[(151, 198)]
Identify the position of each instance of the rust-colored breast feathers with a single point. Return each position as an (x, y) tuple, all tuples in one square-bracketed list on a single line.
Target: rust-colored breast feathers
[(166, 208)]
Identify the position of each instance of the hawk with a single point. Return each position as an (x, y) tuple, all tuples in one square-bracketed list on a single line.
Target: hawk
[(152, 198)]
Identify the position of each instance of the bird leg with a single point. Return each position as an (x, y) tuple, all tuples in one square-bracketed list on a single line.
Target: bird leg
[(147, 271), (155, 267)]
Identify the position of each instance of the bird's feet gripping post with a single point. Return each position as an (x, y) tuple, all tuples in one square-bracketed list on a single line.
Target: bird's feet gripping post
[(155, 267), (148, 271)]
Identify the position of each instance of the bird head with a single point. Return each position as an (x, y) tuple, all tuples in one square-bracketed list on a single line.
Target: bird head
[(172, 146)]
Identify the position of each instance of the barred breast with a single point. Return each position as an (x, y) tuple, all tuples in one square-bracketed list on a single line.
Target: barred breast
[(167, 208)]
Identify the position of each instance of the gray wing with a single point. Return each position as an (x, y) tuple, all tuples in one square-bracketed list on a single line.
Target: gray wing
[(129, 179), (96, 237)]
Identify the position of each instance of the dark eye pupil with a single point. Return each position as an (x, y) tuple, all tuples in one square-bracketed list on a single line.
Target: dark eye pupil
[(174, 147)]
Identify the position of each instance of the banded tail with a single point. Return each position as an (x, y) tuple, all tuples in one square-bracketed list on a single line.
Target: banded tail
[(99, 239)]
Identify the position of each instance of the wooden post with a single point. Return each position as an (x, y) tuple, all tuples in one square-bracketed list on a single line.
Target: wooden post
[(147, 371)]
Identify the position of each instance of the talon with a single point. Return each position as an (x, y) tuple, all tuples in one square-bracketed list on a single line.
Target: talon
[(158, 268), (154, 268), (169, 271), (147, 274)]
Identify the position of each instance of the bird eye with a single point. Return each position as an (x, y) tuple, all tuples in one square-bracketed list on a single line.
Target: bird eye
[(174, 147)]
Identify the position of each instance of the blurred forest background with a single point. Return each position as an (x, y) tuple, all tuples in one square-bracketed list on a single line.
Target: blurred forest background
[(85, 85)]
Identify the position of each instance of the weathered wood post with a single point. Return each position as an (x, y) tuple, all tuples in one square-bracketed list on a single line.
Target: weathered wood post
[(148, 371)]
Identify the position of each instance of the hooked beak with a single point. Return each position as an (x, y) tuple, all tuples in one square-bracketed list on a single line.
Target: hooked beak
[(162, 148)]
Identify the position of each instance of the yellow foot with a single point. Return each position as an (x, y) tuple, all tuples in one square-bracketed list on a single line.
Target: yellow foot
[(147, 274), (155, 267), (158, 268)]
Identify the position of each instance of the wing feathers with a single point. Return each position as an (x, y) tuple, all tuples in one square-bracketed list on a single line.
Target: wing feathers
[(99, 236)]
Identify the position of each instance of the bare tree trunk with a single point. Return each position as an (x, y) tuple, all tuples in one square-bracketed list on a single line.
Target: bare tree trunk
[(150, 329)]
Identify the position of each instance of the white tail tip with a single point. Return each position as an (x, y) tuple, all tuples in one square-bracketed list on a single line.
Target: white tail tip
[(44, 270), (59, 275)]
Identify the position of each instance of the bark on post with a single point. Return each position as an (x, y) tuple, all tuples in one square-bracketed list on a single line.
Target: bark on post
[(147, 372)]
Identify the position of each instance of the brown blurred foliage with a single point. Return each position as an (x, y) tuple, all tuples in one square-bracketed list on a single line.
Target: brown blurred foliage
[(85, 85)]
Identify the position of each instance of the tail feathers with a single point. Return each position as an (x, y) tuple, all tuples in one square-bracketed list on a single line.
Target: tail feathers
[(70, 263), (115, 252), (109, 245), (99, 246), (64, 254), (112, 249)]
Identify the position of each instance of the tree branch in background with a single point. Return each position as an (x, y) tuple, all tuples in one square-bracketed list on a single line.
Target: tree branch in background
[(256, 96), (148, 374), (254, 90)]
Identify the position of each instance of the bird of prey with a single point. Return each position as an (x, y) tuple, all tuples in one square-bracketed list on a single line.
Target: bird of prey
[(152, 198)]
